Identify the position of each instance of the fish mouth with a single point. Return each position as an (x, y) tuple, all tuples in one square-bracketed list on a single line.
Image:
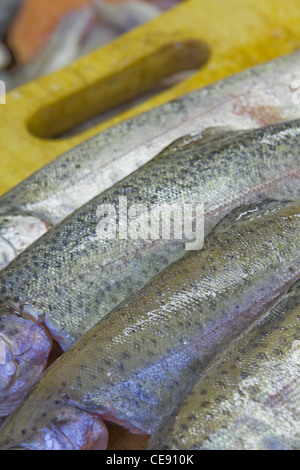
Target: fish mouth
[(24, 350)]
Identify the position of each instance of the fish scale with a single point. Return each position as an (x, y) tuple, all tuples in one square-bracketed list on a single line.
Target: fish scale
[(136, 363), (70, 278)]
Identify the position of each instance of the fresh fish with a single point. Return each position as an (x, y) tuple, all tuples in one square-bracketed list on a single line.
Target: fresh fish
[(128, 14), (254, 98), (72, 276), (8, 10), (135, 364), (249, 399), (81, 31)]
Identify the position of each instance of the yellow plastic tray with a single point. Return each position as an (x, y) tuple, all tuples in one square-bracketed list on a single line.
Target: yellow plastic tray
[(218, 37)]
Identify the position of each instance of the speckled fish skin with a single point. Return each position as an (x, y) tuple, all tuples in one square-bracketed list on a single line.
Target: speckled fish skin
[(136, 363), (70, 278), (257, 97), (249, 399)]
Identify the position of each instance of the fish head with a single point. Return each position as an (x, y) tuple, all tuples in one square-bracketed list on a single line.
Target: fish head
[(24, 349), (17, 231)]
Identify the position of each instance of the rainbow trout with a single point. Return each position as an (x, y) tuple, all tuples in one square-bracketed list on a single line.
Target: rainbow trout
[(257, 97), (73, 275), (135, 364), (249, 399)]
